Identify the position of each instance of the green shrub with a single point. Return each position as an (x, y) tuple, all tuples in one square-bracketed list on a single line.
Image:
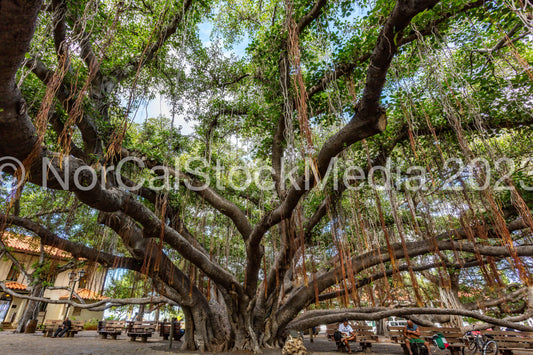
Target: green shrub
[(91, 324)]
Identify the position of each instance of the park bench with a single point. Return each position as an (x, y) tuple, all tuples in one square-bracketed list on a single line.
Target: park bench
[(363, 335), (330, 329), (140, 329), (510, 342), (77, 326), (396, 334), (51, 325), (164, 330), (452, 335), (110, 327)]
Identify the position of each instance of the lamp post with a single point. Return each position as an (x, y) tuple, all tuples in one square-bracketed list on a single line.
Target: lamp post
[(73, 280)]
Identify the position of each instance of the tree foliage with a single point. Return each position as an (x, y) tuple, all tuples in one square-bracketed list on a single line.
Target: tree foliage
[(320, 89)]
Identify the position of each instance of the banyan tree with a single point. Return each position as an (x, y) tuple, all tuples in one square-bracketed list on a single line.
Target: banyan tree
[(343, 159)]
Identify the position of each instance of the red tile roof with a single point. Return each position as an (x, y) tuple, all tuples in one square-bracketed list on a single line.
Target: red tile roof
[(86, 295), (15, 286), (30, 245)]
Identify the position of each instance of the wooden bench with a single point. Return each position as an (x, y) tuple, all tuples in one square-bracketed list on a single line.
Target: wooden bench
[(140, 329), (396, 334), (77, 326), (330, 329), (164, 330), (51, 325), (454, 337), (363, 335), (510, 342), (110, 327)]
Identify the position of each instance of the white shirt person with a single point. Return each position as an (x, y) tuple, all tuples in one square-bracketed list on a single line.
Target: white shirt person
[(346, 330), (347, 334)]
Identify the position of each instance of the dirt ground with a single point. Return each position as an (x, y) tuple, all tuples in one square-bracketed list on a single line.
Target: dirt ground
[(88, 343)]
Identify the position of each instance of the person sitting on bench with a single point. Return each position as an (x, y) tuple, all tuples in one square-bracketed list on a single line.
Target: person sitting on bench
[(67, 325), (347, 334), (412, 335)]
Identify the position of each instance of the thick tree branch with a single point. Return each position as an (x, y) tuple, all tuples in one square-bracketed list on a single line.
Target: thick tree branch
[(342, 69), (380, 160), (311, 15), (510, 297), (85, 123), (176, 222), (206, 192), (77, 250), (506, 40), (59, 9), (306, 294), (95, 306), (151, 49), (379, 275), (370, 120), (378, 313)]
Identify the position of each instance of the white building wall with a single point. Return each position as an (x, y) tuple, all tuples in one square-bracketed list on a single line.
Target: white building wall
[(53, 311)]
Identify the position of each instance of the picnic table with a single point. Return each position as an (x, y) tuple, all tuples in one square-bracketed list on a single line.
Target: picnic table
[(112, 328), (510, 342), (140, 329)]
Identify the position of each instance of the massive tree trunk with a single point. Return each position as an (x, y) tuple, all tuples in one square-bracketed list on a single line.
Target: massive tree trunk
[(450, 299), (188, 341)]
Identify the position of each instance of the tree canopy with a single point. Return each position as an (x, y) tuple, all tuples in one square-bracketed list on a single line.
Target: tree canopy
[(358, 159)]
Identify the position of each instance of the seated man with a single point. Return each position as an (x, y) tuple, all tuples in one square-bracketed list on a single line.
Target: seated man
[(347, 334), (412, 335), (67, 325)]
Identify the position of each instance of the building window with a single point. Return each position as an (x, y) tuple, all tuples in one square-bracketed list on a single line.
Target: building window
[(42, 306), (13, 274)]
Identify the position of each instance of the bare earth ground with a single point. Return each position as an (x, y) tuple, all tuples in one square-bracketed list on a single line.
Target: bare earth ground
[(88, 343)]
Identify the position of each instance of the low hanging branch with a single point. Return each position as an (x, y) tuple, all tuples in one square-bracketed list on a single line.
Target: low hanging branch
[(98, 306), (377, 313)]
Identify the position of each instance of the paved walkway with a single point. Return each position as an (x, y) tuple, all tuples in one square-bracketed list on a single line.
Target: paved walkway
[(88, 343)]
